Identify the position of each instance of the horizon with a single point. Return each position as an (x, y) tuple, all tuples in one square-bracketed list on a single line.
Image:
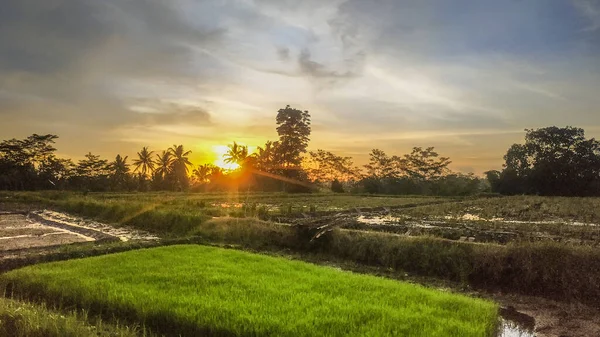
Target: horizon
[(467, 78)]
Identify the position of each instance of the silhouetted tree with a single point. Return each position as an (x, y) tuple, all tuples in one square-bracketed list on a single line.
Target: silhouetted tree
[(92, 173), (21, 159), (179, 167), (202, 173), (325, 167), (382, 166), (54, 173), (553, 161), (236, 154), (424, 164), (119, 175), (144, 163), (293, 128), (337, 187)]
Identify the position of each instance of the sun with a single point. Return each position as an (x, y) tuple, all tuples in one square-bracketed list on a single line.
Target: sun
[(220, 151)]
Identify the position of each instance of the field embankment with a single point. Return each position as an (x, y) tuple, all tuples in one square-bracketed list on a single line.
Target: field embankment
[(194, 290)]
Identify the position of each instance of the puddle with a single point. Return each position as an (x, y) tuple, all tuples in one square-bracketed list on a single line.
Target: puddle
[(515, 324), (228, 205), (377, 220)]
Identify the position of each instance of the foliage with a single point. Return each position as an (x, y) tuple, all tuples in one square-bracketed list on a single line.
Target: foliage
[(337, 187), (30, 163), (179, 167), (144, 163), (293, 128), (250, 294), (553, 161), (237, 154), (422, 171), (326, 167)]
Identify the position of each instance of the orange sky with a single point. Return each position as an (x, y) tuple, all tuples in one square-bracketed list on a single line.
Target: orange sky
[(466, 77)]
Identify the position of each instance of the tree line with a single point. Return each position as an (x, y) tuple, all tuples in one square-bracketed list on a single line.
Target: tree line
[(553, 161)]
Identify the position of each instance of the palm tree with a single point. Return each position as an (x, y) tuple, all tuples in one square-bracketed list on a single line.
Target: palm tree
[(264, 156), (119, 167), (119, 171), (179, 167), (202, 173), (180, 158), (144, 162), (164, 162), (237, 154)]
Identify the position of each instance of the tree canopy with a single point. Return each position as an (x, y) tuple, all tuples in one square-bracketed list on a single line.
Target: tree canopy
[(553, 161)]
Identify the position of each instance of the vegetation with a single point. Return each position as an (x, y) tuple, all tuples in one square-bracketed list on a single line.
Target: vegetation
[(553, 161), (247, 294), (546, 268), (282, 165), (22, 319), (175, 214)]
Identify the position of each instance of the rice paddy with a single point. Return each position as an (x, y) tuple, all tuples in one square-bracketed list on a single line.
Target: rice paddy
[(192, 290)]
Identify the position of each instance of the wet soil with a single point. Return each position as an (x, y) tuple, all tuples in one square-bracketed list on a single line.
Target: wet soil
[(18, 232), (554, 319), (469, 228)]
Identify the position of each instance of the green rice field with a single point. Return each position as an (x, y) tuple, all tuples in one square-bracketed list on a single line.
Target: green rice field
[(194, 290)]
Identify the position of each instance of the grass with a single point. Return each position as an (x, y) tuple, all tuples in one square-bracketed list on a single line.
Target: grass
[(564, 270), (193, 290), (21, 319), (177, 214)]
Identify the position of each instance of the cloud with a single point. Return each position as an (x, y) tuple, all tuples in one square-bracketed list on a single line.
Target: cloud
[(119, 73), (590, 9), (283, 53), (157, 112), (318, 70)]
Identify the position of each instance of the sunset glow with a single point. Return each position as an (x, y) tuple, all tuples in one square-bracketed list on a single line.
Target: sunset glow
[(393, 75), (220, 151)]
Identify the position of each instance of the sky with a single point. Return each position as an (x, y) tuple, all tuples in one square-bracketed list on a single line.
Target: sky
[(464, 76)]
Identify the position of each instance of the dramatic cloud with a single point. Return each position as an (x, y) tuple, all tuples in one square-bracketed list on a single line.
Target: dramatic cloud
[(467, 76)]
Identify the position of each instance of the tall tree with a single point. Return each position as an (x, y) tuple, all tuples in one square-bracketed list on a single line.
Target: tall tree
[(326, 167), (202, 173), (144, 163), (179, 166), (93, 173), (236, 154), (119, 172), (424, 164), (264, 157), (164, 162), (553, 161), (21, 159), (54, 173), (381, 165), (293, 128)]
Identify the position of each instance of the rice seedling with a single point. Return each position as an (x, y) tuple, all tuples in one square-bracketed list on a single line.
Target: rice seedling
[(192, 290)]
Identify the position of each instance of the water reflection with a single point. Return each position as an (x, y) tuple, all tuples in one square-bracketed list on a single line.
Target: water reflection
[(515, 324)]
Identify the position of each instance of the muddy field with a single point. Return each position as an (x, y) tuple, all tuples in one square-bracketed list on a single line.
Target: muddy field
[(22, 232), (467, 227), (17, 231)]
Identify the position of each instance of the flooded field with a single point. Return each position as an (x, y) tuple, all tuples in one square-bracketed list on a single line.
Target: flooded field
[(468, 227), (39, 229), (17, 231)]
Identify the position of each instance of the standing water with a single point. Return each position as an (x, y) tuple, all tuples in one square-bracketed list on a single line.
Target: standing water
[(515, 324)]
